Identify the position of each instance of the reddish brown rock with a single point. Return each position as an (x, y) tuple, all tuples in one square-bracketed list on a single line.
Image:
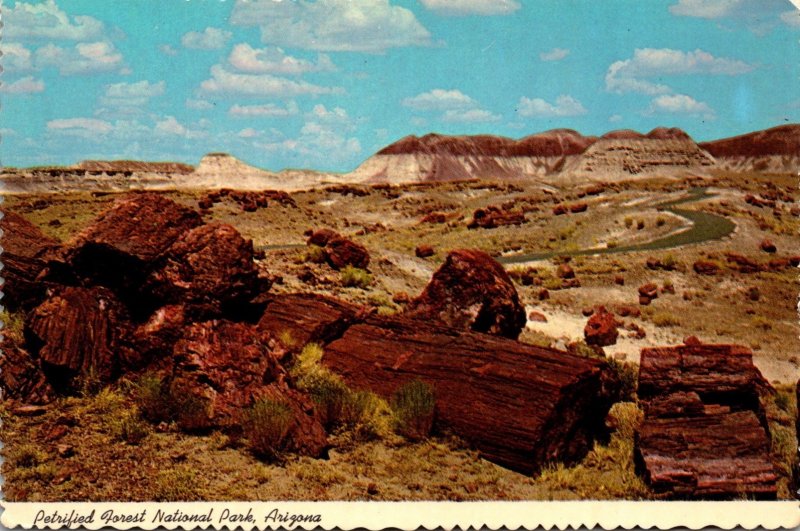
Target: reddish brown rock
[(78, 333), (601, 329), (559, 210), (26, 250), (520, 405), (537, 317), (401, 297), (705, 267), (767, 246), (205, 203), (543, 294), (587, 311), (743, 264), (21, 377), (152, 341), (303, 318), (619, 280), (471, 291), (227, 367), (565, 271), (424, 251), (578, 207), (627, 310), (493, 216), (723, 456), (207, 267), (118, 247), (649, 290), (341, 252), (321, 237), (794, 261), (692, 341), (434, 217)]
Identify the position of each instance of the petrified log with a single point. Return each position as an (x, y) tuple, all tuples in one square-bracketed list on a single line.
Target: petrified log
[(26, 250), (341, 252), (321, 237), (719, 374), (208, 267), (520, 405), (303, 318), (227, 367), (708, 457), (471, 291), (493, 216), (21, 378), (117, 249), (601, 329), (78, 333)]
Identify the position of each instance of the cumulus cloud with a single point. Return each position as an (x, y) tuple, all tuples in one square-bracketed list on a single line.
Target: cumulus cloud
[(131, 94), (208, 39), (167, 49), (614, 118), (440, 100), (25, 85), (46, 21), (80, 125), (274, 60), (333, 25), (631, 75), (556, 54), (268, 110), (248, 132), (199, 104), (470, 116), (679, 104), (16, 58), (226, 82), (472, 7), (564, 106), (760, 17), (83, 58)]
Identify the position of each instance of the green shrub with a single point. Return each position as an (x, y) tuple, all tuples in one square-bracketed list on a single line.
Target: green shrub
[(628, 221), (315, 254), (129, 428), (176, 484), (160, 401), (13, 324), (267, 425), (353, 277), (628, 375), (413, 404)]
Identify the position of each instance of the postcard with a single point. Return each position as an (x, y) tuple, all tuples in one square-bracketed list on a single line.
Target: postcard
[(400, 263)]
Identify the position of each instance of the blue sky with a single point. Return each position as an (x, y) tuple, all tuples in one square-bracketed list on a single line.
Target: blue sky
[(323, 84)]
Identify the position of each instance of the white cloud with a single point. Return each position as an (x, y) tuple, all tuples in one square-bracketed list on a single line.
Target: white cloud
[(26, 85), (46, 21), (565, 106), (679, 104), (269, 110), (16, 58), (440, 100), (167, 49), (336, 116), (333, 25), (631, 75), (199, 104), (760, 17), (472, 7), (80, 125), (82, 59), (274, 61), (131, 94), (470, 116), (208, 39), (223, 81), (791, 18), (556, 54), (614, 118), (705, 8), (248, 132)]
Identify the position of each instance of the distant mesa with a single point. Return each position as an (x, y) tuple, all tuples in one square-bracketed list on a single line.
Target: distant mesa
[(122, 166)]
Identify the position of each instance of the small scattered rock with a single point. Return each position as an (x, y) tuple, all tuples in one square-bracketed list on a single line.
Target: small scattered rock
[(692, 341), (601, 329), (543, 294), (65, 450), (619, 280), (537, 317), (768, 246), (565, 271), (587, 311), (424, 251), (704, 267), (29, 411), (401, 297)]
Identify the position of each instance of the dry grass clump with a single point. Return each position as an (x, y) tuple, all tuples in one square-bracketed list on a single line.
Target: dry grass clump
[(267, 424), (353, 277), (665, 319), (177, 484), (161, 401), (413, 404), (314, 254), (781, 409)]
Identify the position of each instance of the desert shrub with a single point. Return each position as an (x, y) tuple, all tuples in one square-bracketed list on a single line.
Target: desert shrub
[(611, 244), (581, 348), (12, 324), (25, 455), (287, 339), (267, 425), (353, 277), (761, 322), (315, 254), (176, 484), (161, 401), (128, 427), (783, 399), (628, 375), (660, 222), (640, 224), (413, 404), (628, 221), (669, 262), (665, 319)]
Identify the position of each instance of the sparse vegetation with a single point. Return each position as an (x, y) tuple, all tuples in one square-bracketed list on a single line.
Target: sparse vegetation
[(315, 254), (177, 484), (665, 319), (267, 425), (353, 277), (413, 404), (162, 401)]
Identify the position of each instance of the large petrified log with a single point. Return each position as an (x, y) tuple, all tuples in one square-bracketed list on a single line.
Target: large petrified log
[(228, 366), (26, 250), (207, 267), (117, 248), (520, 405), (21, 378), (301, 318), (713, 456), (78, 333), (471, 291), (719, 374), (493, 216)]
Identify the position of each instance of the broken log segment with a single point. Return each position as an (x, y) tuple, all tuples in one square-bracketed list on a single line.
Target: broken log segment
[(712, 457), (521, 406)]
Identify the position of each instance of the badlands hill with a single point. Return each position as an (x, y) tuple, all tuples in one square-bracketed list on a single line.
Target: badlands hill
[(774, 150)]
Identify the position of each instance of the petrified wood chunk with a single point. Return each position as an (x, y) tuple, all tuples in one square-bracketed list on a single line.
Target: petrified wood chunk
[(21, 378), (341, 252), (493, 216), (520, 405), (471, 291), (714, 456), (25, 252), (78, 333)]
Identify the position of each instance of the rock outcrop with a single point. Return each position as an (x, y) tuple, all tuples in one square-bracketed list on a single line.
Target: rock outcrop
[(601, 329), (341, 252), (521, 406), (471, 291), (775, 150), (21, 377), (26, 250), (704, 434), (493, 216)]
